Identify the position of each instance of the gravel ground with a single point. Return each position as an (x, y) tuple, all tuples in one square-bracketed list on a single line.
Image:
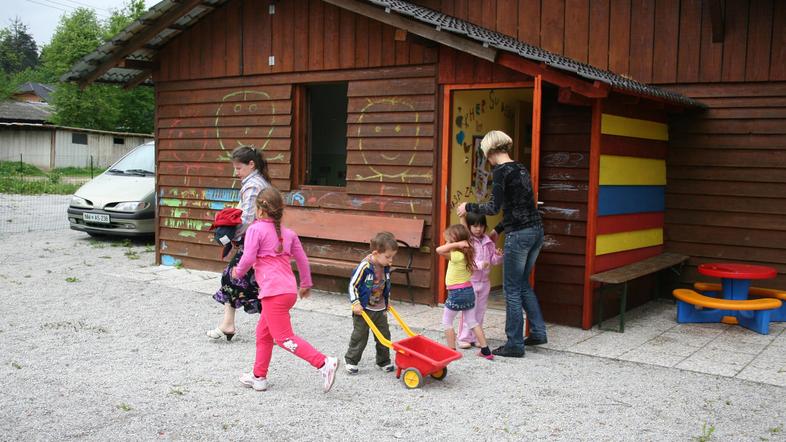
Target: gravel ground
[(88, 354)]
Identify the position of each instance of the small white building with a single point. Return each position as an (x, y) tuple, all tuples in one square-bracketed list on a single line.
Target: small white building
[(26, 136)]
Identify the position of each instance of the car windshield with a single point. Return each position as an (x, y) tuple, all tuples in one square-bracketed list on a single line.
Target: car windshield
[(140, 161)]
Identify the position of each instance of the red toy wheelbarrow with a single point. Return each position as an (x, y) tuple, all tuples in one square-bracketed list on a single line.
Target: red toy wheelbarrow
[(416, 356)]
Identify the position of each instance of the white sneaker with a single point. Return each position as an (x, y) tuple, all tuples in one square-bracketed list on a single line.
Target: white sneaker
[(328, 372), (351, 369), (387, 368), (251, 381)]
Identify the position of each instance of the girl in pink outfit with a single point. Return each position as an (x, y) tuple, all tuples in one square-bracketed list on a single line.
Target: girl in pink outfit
[(269, 248), (486, 255)]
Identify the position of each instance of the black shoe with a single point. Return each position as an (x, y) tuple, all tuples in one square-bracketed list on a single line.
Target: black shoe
[(507, 353), (535, 341)]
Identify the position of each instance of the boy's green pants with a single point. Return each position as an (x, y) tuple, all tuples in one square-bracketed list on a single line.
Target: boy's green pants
[(360, 330)]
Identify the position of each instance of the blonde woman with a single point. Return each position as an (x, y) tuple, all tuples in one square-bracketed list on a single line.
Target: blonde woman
[(512, 194)]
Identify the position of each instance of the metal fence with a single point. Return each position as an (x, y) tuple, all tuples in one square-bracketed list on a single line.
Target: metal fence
[(42, 194)]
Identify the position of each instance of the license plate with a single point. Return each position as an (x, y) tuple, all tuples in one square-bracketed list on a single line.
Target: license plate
[(96, 218)]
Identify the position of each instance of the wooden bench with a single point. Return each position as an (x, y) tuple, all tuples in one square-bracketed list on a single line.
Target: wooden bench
[(622, 275), (714, 288), (355, 228), (691, 307)]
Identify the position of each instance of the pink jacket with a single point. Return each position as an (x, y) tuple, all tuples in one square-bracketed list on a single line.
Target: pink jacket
[(485, 252), (273, 270)]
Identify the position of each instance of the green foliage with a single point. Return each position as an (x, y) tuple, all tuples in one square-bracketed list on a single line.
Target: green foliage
[(99, 106), (18, 50), (77, 34), (10, 168)]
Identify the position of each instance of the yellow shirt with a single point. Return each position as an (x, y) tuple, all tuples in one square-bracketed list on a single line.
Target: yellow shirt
[(457, 269)]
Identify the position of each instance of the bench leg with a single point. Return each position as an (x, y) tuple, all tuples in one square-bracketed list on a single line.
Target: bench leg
[(411, 291), (758, 320), (688, 313), (623, 302)]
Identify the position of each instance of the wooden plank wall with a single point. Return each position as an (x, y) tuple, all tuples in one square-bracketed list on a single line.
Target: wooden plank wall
[(212, 97), (564, 182), (653, 41), (303, 35), (726, 193)]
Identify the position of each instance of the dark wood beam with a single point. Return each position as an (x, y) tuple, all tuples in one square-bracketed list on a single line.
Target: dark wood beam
[(140, 39), (137, 80), (558, 78), (141, 65), (446, 38), (716, 14), (567, 96)]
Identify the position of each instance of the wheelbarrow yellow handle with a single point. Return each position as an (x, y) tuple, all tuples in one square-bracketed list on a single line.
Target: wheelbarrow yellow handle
[(383, 340), (401, 321)]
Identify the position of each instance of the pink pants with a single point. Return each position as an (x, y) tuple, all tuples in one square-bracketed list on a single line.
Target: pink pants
[(275, 325), (482, 289)]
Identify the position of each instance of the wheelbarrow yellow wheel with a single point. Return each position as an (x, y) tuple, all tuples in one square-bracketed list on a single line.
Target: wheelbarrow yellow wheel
[(440, 375), (412, 378)]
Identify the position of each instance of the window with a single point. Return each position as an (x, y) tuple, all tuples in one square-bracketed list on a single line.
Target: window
[(321, 132), (78, 138), (118, 140)]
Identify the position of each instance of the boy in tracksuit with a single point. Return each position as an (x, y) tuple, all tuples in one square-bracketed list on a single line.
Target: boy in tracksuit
[(369, 291)]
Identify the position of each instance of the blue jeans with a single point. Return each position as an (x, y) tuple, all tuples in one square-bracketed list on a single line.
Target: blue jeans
[(521, 250)]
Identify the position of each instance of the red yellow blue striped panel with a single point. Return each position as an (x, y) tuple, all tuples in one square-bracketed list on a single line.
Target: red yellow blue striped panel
[(619, 200), (621, 241), (626, 223), (633, 127), (631, 171), (613, 260)]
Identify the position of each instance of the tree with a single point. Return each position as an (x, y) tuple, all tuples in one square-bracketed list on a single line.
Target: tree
[(18, 50), (99, 106)]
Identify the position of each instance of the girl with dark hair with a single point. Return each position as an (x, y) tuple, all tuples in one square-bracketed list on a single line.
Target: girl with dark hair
[(461, 295), (486, 255), (269, 247), (251, 168)]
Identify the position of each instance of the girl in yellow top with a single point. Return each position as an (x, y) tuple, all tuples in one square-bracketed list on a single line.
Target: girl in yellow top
[(461, 296)]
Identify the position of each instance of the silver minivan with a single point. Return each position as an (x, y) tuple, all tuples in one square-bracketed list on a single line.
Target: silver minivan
[(121, 201)]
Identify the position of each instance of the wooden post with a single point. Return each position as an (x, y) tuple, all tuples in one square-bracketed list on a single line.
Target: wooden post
[(592, 211), (53, 148)]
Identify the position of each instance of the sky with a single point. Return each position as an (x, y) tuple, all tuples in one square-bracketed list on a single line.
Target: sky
[(42, 16)]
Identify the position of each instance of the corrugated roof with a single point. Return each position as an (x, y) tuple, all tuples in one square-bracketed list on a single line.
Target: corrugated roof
[(148, 51), (23, 111), (503, 42), (443, 22), (38, 126)]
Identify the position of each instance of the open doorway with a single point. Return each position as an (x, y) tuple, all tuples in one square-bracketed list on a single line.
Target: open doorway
[(473, 112)]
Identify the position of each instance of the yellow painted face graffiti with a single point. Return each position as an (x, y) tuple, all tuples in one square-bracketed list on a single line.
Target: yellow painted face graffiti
[(234, 121)]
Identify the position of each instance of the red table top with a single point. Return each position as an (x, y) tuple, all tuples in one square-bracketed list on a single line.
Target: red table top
[(736, 271)]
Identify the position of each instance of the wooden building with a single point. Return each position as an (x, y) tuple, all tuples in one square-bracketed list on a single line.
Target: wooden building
[(374, 108)]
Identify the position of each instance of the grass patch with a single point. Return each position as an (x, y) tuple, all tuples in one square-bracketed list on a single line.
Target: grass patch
[(24, 186), (10, 168), (72, 279), (16, 365), (706, 433), (124, 407), (131, 254)]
